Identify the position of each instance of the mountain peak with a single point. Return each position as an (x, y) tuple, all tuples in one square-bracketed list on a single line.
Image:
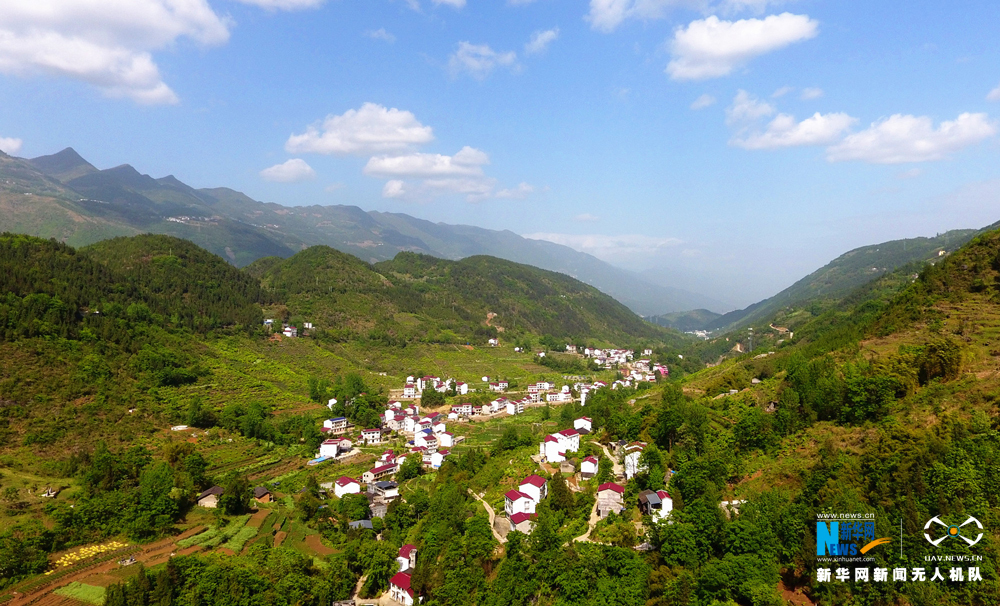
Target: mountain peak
[(63, 166)]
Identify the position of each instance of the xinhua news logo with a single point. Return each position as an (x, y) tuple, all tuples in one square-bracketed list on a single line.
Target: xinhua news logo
[(847, 536)]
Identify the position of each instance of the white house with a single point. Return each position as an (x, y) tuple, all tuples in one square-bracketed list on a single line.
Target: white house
[(399, 589), (535, 486), (588, 467), (377, 473), (446, 439), (329, 448), (523, 522), (410, 390), (515, 407), (555, 446), (439, 426), (516, 502), (461, 388), (583, 423), (291, 332), (336, 425), (407, 557), (371, 436), (437, 458), (410, 423), (494, 342), (631, 460), (346, 485), (657, 504)]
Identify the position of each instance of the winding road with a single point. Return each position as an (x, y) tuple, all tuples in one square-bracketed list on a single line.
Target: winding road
[(618, 469), (492, 515)]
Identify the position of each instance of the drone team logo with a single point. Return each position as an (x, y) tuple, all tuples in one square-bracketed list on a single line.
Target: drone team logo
[(953, 531)]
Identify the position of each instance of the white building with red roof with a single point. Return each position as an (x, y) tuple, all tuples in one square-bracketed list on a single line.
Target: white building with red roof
[(407, 557), (631, 459), (610, 499), (345, 485), (516, 502), (588, 467), (555, 446), (379, 472), (583, 423), (399, 589), (536, 486), (523, 522)]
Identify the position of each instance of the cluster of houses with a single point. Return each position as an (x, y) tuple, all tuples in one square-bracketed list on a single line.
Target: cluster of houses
[(416, 386), (287, 330), (520, 503), (555, 447), (609, 358)]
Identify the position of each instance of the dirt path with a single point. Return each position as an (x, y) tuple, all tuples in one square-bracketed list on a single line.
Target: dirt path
[(618, 469), (492, 515), (594, 519), (148, 554)]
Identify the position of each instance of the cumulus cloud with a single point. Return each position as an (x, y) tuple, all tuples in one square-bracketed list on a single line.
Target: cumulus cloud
[(611, 248), (394, 189), (781, 92), (284, 5), (380, 34), (811, 93), (540, 41), (478, 60), (9, 145), (523, 190), (905, 138), (746, 109), (606, 15), (784, 131), (371, 129), (106, 43), (994, 95), (703, 101), (468, 162), (292, 171), (711, 48)]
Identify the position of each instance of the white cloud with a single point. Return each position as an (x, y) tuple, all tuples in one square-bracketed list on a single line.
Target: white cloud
[(811, 93), (334, 187), (105, 43), (478, 60), (451, 3), (994, 95), (292, 171), (523, 190), (746, 109), (587, 218), (380, 34), (9, 145), (284, 5), (781, 92), (610, 248), (393, 189), (703, 101), (540, 41), (900, 139), (753, 6), (468, 162), (370, 129), (784, 131), (606, 15), (711, 48)]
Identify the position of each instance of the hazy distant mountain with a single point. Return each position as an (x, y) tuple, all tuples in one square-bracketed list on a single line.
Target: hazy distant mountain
[(686, 321), (73, 201), (848, 271)]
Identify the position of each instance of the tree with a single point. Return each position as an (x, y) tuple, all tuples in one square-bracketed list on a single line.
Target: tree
[(560, 497), (411, 468), (605, 470), (430, 398), (236, 498)]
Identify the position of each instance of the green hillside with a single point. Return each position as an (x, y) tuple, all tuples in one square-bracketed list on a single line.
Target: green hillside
[(65, 197), (845, 273), (417, 297)]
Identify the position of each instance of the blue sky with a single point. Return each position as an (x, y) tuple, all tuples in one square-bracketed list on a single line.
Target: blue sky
[(728, 147)]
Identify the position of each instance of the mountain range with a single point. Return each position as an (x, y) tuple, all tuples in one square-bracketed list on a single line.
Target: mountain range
[(65, 197)]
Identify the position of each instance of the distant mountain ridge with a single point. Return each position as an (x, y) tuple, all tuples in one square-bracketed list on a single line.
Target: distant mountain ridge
[(847, 272), (65, 197)]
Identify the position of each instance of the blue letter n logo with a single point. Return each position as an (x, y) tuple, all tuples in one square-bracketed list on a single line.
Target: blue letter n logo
[(827, 538)]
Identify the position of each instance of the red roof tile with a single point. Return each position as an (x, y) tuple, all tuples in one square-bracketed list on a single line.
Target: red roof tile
[(611, 486)]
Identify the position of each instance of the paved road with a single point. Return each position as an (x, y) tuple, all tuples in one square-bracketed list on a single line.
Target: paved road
[(585, 537), (491, 514)]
